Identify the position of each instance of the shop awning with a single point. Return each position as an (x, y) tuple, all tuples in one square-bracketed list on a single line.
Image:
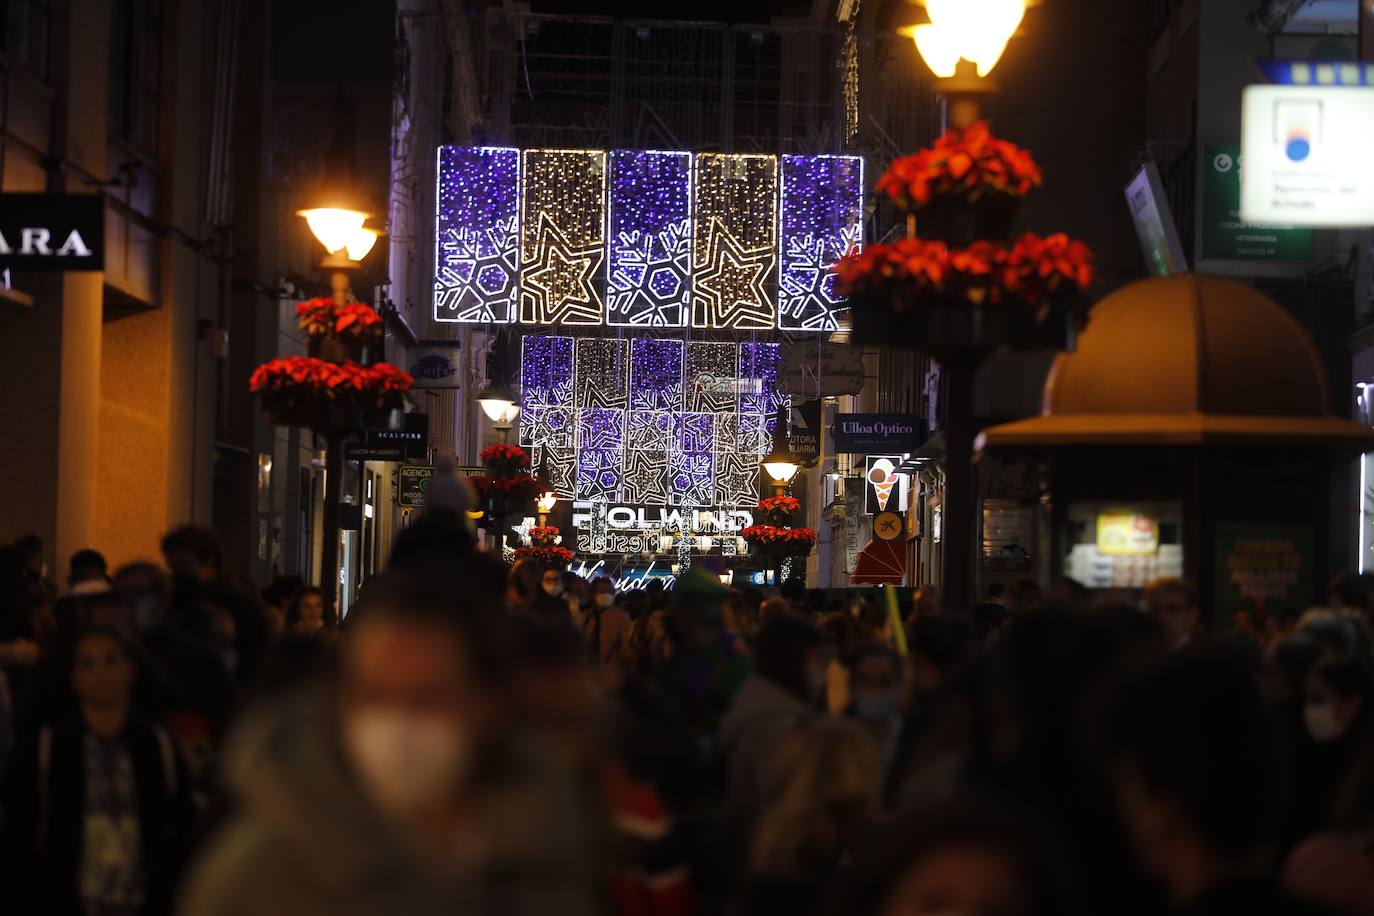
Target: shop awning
[(880, 563)]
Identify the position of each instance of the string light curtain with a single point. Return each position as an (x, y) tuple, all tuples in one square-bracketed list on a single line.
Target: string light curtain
[(654, 422), (648, 268), (562, 237), (821, 220), (734, 250), (477, 250)]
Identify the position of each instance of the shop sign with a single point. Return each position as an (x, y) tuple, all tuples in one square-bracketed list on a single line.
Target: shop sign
[(434, 367), (52, 231), (877, 433), (413, 483), (885, 489), (1306, 154), (813, 368), (1224, 236), (1154, 224), (1127, 534), (640, 529), (410, 443), (1262, 567), (804, 433)]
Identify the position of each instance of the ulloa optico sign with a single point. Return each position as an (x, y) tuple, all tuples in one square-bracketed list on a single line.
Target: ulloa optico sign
[(52, 232), (877, 433)]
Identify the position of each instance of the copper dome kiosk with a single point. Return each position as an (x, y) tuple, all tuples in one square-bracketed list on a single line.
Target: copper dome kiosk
[(1189, 434)]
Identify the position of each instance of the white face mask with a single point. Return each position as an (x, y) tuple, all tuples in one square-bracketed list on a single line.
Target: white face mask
[(878, 707), (407, 761), (1321, 722), (553, 589), (604, 600)]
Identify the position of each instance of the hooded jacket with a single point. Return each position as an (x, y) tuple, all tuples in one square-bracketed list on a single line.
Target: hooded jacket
[(308, 841)]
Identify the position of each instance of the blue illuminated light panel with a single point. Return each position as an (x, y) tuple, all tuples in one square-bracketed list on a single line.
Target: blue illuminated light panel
[(476, 248), (820, 216), (648, 265)]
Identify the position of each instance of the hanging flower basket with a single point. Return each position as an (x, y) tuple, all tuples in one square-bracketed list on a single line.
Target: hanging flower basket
[(504, 496), (778, 542), (323, 395), (777, 510), (503, 460), (545, 536), (548, 554), (961, 222), (967, 165), (925, 295)]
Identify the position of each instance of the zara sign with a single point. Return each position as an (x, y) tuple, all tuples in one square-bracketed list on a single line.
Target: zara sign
[(52, 232)]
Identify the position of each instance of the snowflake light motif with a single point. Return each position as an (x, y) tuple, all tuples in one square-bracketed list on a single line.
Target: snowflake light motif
[(476, 277), (650, 280), (806, 287)]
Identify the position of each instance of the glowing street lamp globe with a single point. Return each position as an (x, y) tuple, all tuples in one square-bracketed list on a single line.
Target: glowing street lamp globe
[(973, 30), (498, 404), (546, 502), (360, 243), (336, 227)]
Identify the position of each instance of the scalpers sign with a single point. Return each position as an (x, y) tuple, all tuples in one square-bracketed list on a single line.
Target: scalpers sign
[(877, 433), (52, 232)]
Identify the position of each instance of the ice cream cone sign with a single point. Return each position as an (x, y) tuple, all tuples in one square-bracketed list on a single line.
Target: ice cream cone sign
[(883, 479)]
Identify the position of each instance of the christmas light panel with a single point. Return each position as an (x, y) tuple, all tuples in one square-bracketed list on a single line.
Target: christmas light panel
[(734, 247), (477, 252), (562, 237), (651, 239), (648, 266), (820, 216), (649, 422)]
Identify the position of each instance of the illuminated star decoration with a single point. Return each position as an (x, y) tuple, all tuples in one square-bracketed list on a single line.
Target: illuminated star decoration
[(558, 466), (646, 477), (558, 286), (735, 475), (806, 288), (730, 292)]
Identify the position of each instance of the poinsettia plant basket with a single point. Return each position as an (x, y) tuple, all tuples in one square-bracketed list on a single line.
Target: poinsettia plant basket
[(776, 541), (548, 554), (928, 295)]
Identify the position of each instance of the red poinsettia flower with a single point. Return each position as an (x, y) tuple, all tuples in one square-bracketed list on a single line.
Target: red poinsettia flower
[(780, 504), (1032, 271), (323, 317), (964, 164)]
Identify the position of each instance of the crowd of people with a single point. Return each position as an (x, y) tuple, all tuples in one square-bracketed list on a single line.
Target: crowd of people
[(475, 738)]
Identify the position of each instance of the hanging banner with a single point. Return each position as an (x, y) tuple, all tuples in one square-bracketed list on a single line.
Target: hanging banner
[(812, 368), (804, 433), (877, 433)]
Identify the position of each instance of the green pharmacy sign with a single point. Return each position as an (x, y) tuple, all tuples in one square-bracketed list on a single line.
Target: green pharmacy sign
[(1224, 236)]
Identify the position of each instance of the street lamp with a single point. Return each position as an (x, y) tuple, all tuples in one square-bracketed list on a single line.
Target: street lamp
[(545, 504), (961, 45), (780, 464), (499, 405), (972, 30)]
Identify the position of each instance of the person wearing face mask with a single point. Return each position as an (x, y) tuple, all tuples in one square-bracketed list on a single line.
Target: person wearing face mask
[(781, 697), (877, 696), (1331, 773), (605, 627), (400, 785)]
